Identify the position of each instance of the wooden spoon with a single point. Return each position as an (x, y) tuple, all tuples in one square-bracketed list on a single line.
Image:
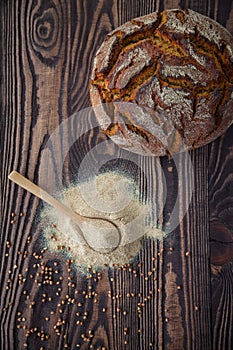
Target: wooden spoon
[(63, 209)]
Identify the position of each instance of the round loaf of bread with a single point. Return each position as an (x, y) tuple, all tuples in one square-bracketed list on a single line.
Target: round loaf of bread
[(163, 82)]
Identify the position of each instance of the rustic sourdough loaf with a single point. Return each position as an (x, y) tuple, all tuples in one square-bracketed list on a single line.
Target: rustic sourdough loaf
[(164, 82)]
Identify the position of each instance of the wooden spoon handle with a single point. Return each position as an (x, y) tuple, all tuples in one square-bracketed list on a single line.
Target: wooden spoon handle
[(45, 196)]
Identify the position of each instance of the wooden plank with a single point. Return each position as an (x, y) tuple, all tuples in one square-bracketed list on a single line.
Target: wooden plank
[(163, 299), (221, 239)]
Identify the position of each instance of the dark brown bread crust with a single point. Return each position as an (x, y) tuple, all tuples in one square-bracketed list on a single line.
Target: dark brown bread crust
[(173, 71)]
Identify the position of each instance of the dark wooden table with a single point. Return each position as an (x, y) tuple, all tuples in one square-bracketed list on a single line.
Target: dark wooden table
[(182, 294)]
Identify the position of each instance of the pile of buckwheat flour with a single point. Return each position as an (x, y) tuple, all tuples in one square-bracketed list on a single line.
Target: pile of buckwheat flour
[(110, 195)]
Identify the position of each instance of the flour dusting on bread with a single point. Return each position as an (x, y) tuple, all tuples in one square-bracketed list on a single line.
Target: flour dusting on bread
[(175, 69)]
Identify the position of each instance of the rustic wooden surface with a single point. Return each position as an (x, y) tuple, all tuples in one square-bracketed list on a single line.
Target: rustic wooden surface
[(178, 294)]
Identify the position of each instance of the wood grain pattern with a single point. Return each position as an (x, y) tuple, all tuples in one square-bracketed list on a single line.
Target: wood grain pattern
[(177, 294), (221, 239)]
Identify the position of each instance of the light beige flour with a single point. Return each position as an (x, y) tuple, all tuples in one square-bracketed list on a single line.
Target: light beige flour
[(109, 195)]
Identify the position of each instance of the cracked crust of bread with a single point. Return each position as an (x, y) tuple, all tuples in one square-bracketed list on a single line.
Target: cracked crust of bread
[(175, 69)]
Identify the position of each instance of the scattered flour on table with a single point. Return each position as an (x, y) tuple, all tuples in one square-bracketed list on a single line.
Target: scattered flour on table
[(109, 195)]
